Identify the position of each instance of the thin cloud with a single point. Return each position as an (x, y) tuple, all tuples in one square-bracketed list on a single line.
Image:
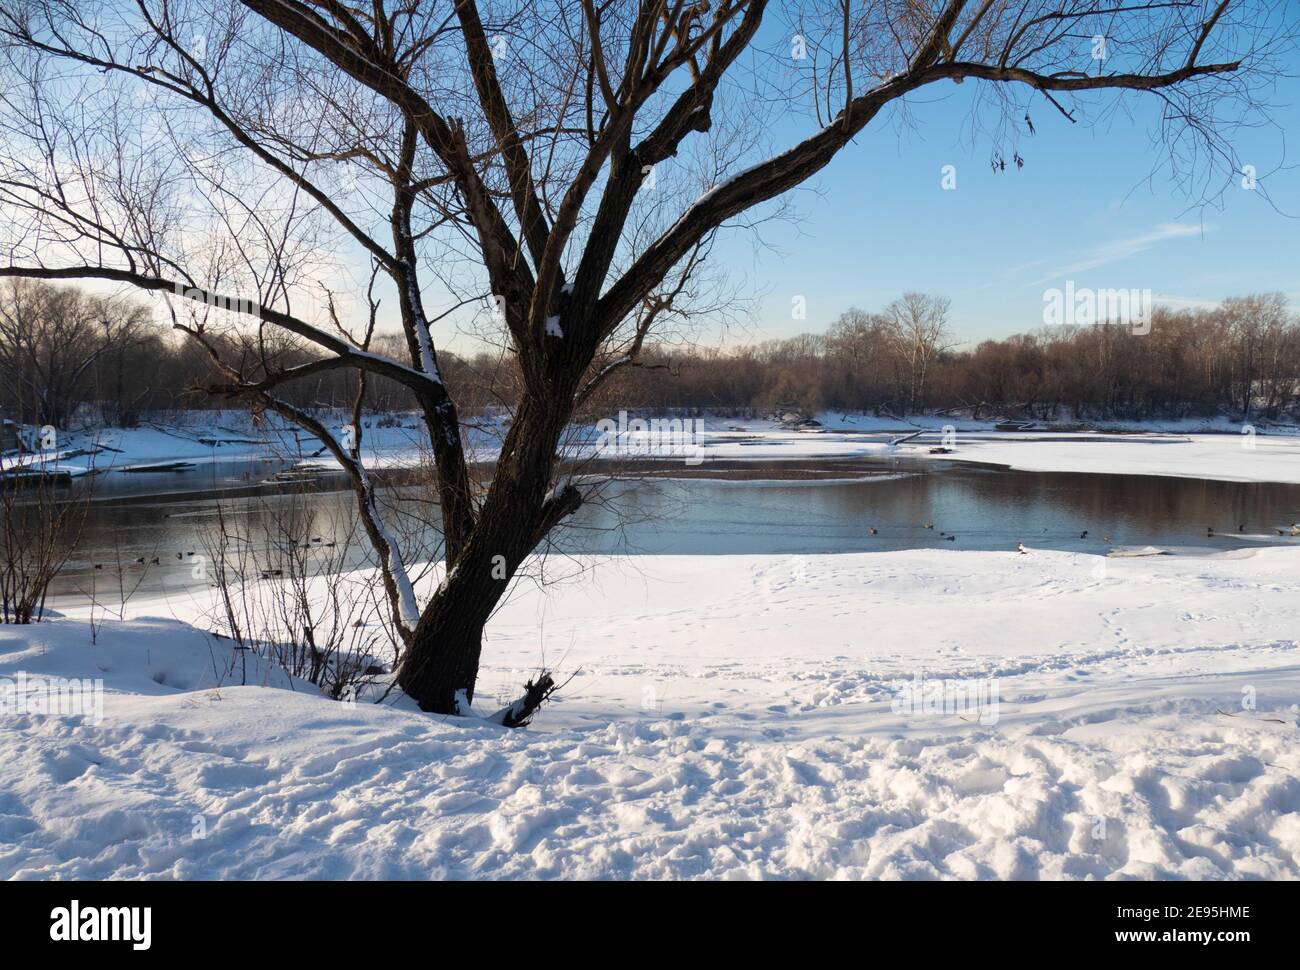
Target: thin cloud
[(1122, 249)]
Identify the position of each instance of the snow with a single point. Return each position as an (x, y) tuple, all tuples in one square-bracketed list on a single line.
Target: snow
[(423, 339), (911, 714), (727, 717), (203, 438), (1188, 449), (405, 592), (1225, 457), (1222, 457), (41, 463), (406, 603), (714, 190)]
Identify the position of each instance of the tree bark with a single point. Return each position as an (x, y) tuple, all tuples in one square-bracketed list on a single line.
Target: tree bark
[(442, 659)]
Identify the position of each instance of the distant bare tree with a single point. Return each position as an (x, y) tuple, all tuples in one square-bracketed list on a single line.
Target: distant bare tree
[(539, 158), (40, 524), (1257, 333), (919, 326), (51, 340)]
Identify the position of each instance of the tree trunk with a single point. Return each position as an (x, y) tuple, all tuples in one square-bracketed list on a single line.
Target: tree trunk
[(442, 658)]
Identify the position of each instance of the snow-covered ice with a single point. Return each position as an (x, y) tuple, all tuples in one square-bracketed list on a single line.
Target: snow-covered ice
[(1243, 458), (1187, 449)]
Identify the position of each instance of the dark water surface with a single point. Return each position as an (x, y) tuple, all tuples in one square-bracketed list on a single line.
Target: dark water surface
[(772, 507)]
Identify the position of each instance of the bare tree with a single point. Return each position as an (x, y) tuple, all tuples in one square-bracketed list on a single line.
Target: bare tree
[(41, 517), (51, 340), (1257, 334), (919, 326), (499, 153), (39, 529)]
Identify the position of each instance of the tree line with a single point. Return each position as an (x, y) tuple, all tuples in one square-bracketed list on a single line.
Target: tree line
[(68, 357), (1240, 359)]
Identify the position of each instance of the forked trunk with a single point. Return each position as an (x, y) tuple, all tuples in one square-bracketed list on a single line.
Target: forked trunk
[(441, 662)]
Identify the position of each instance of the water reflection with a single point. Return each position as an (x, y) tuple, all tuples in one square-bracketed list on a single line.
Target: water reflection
[(964, 506)]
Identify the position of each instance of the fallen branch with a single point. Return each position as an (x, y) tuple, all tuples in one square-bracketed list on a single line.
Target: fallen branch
[(520, 712)]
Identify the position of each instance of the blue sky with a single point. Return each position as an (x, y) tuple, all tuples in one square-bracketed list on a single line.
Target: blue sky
[(1082, 208)]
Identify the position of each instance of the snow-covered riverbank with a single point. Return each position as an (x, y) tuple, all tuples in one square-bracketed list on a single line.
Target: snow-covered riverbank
[(727, 717), (1189, 449), (1252, 458)]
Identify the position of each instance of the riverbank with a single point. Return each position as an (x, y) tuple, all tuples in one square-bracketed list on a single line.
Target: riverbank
[(1188, 449), (1224, 458), (727, 717)]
